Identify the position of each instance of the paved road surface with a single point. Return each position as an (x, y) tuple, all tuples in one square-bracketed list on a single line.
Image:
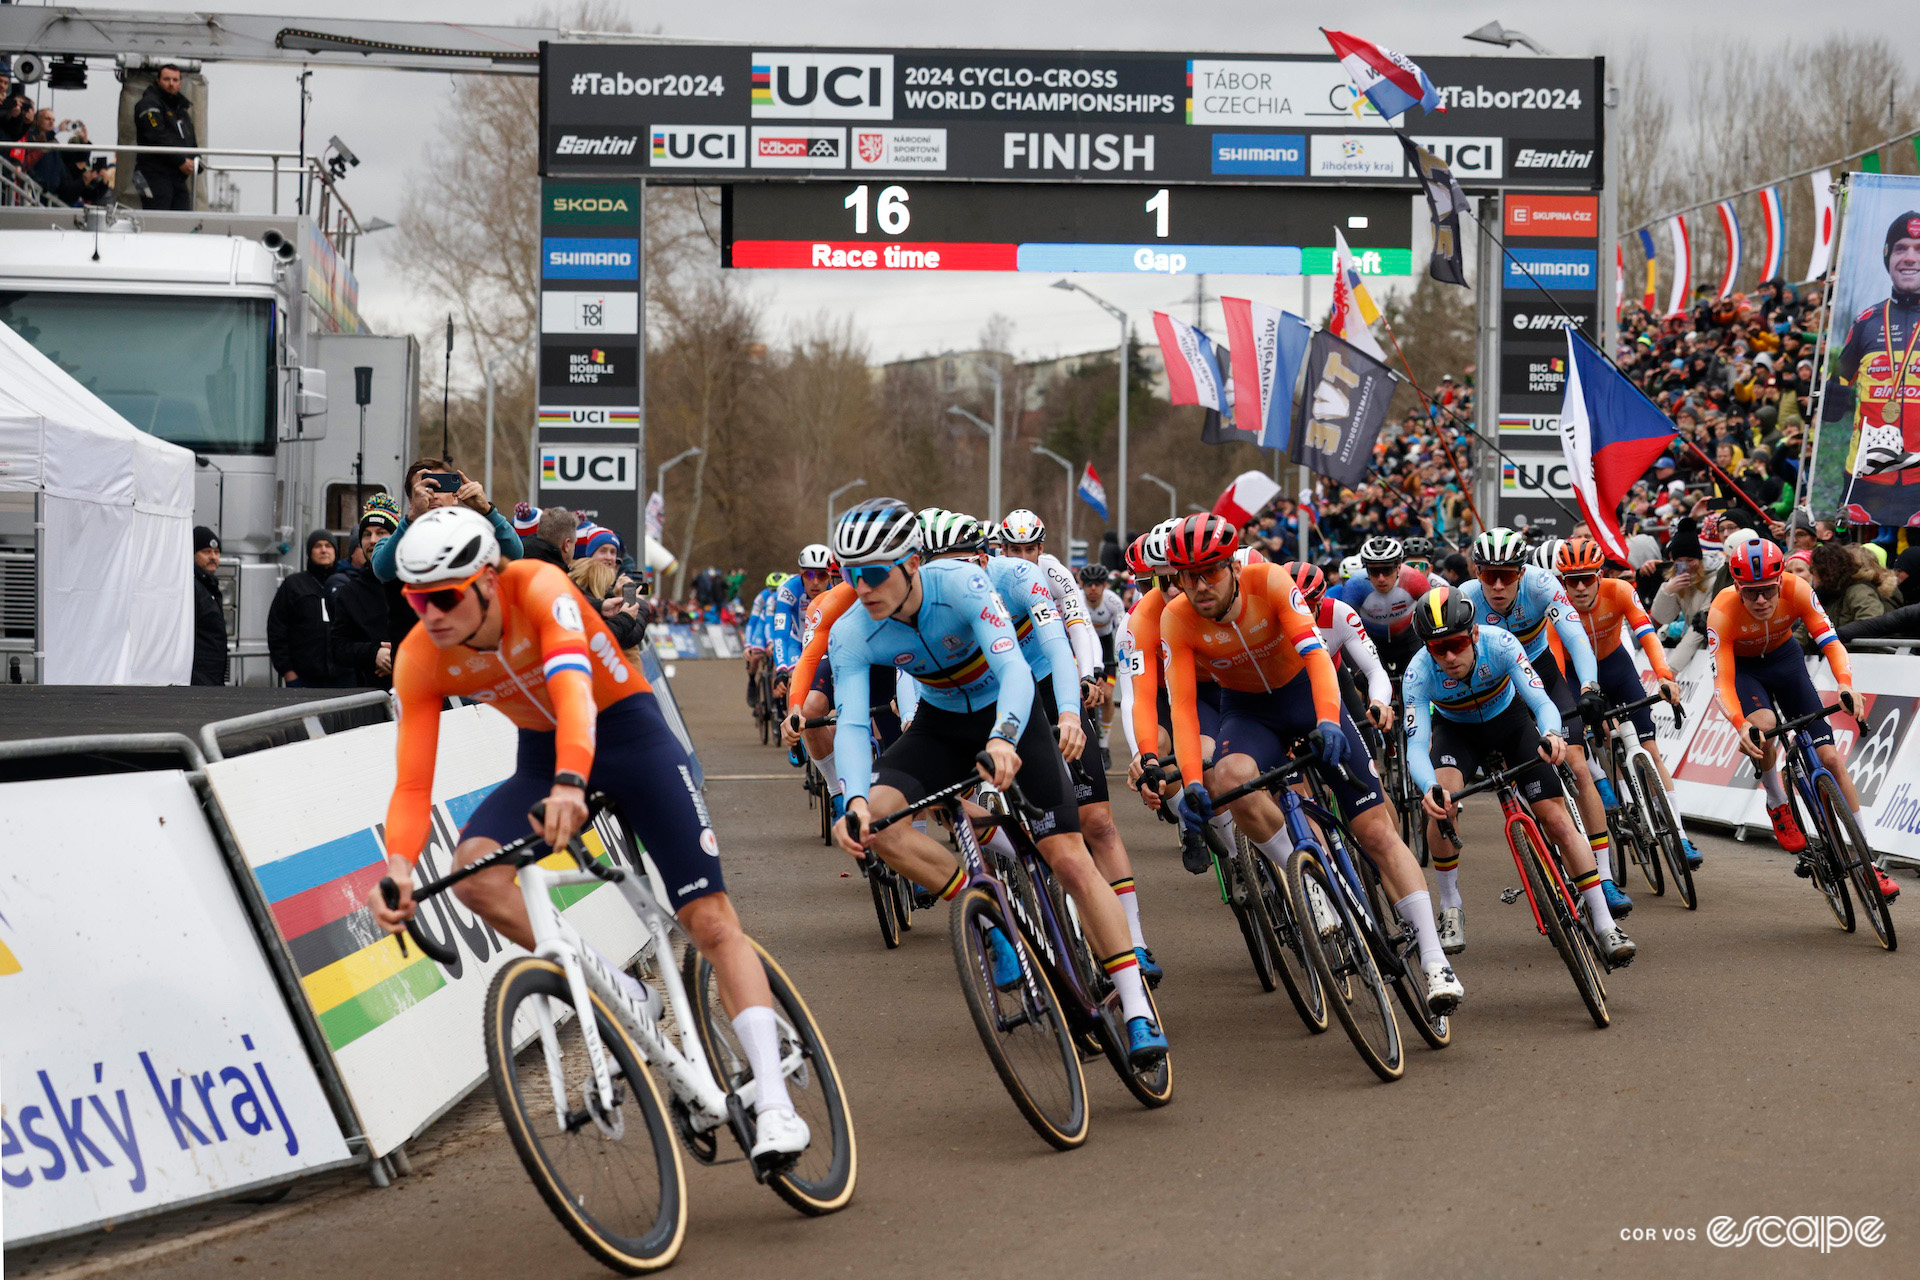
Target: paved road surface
[(1760, 1062)]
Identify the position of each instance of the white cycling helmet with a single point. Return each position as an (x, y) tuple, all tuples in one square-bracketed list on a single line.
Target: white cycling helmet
[(944, 532), (877, 531), (1248, 555), (1353, 567), (1499, 547), (1382, 550), (1022, 528), (815, 556), (446, 543), (1158, 544), (1547, 554)]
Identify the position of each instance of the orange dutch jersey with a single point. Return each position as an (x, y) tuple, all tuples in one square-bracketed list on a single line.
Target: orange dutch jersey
[(1266, 639), (1618, 604), (822, 613), (557, 666), (1144, 623), (1733, 632)]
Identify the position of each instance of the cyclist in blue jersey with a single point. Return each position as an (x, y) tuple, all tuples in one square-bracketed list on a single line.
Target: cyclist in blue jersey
[(1521, 597), (1383, 596), (1043, 633), (1489, 699), (787, 625), (945, 625), (756, 634)]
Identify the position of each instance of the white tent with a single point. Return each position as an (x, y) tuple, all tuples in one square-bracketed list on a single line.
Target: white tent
[(116, 550)]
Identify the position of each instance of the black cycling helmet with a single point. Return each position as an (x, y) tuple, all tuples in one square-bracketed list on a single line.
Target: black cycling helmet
[(1418, 548), (1442, 613), (1093, 574)]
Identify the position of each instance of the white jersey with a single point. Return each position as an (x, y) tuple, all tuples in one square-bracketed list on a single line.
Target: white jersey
[(1345, 633), (1073, 611), (1107, 614), (1123, 659)]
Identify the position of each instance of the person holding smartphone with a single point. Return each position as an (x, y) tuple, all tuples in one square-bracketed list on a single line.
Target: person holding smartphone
[(432, 483)]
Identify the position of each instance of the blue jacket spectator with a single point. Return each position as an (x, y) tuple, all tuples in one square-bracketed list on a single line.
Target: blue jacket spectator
[(424, 491)]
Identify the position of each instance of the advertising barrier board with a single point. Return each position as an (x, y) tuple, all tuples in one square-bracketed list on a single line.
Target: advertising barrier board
[(147, 1057), (309, 818)]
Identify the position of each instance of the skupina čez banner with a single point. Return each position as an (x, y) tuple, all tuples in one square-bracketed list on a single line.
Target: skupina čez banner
[(1867, 454)]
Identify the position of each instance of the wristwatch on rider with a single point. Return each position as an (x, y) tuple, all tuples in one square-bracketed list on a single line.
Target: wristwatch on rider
[(566, 779)]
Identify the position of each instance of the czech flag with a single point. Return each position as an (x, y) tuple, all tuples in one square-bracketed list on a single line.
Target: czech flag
[(1092, 492), (1610, 434), (1246, 498), (1392, 82)]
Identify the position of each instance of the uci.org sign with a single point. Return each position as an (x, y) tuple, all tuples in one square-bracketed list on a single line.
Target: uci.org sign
[(569, 258)]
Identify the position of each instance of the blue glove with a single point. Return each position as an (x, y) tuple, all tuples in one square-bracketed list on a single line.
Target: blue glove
[(1675, 630), (1199, 804), (1329, 744)]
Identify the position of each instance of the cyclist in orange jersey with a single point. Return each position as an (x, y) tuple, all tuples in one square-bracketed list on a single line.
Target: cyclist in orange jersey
[(517, 639), (1250, 627)]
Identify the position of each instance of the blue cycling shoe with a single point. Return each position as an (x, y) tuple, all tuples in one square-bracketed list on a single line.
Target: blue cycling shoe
[(1006, 964), (839, 807), (1693, 855), (1148, 969), (1146, 1043), (1617, 902), (1607, 798)]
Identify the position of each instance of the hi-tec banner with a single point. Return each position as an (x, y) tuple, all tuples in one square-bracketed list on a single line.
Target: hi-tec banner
[(709, 112)]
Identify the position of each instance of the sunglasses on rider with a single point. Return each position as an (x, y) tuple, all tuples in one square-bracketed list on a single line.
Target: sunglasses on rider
[(1197, 576), (1450, 647), (1758, 594), (1579, 579), (1498, 577), (815, 575), (445, 599), (873, 575)]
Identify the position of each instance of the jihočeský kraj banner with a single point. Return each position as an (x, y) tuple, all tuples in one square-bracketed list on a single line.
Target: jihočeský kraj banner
[(1866, 462)]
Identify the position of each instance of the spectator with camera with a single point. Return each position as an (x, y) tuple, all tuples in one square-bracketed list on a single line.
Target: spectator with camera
[(434, 482)]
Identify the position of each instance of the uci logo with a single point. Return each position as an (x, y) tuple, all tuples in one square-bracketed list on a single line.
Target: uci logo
[(823, 86)]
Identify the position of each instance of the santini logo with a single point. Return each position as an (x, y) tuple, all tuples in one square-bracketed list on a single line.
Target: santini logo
[(606, 145), (1568, 158)]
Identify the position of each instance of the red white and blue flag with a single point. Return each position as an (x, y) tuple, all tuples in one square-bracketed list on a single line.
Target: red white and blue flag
[(1392, 82), (1682, 266), (1610, 434), (1267, 347), (1196, 374), (1730, 231), (1776, 226), (1092, 492)]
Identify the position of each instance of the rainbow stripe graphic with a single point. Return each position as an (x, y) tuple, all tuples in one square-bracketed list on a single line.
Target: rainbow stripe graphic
[(596, 417), (763, 86), (354, 975), (659, 144), (549, 468), (1189, 90)]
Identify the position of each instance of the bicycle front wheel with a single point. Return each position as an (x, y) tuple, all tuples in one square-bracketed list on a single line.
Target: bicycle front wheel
[(1273, 911), (1664, 832), (1344, 964), (1022, 1029), (1402, 968), (1852, 852), (821, 1180), (1562, 926), (1829, 876), (612, 1176), (878, 883)]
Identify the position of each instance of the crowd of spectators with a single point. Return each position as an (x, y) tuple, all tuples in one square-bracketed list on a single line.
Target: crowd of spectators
[(162, 117)]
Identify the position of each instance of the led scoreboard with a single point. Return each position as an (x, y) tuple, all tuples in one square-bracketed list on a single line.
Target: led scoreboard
[(876, 225)]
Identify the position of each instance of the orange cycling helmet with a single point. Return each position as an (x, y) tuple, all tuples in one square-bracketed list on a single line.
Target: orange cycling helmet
[(1311, 581), (1580, 555), (1201, 542)]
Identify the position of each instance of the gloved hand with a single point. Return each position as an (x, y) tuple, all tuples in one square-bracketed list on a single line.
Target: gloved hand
[(1199, 803), (1150, 775), (1329, 744), (1592, 707)]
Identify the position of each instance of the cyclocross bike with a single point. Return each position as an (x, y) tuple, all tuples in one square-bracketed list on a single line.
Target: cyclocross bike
[(1645, 835), (766, 713), (1035, 1039), (579, 1095), (1836, 854), (1556, 911), (893, 897)]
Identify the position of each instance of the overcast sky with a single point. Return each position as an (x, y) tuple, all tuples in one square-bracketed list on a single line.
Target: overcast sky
[(391, 119)]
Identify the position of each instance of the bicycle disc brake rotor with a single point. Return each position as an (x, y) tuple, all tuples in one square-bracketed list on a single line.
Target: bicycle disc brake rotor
[(611, 1124)]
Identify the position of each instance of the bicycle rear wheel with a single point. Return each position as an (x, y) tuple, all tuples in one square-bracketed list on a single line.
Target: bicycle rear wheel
[(613, 1179), (1022, 1030), (1273, 912), (1664, 833), (1829, 877), (817, 784), (1239, 890), (1356, 992), (878, 874), (1563, 926), (902, 901), (1851, 850), (821, 1180), (1402, 968), (1151, 1087)]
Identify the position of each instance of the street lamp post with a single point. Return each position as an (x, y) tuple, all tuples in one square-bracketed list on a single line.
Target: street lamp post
[(835, 497), (660, 472), (1067, 511), (1120, 506), (1173, 499), (486, 372), (992, 430)]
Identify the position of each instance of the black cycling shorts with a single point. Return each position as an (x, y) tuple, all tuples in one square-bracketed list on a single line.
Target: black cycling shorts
[(1560, 689), (1265, 725), (640, 764), (938, 748), (1778, 681), (1206, 704), (1620, 682), (1089, 783), (1511, 735)]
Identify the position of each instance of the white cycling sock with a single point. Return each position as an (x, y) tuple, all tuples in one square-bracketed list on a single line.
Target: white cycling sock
[(830, 771), (1673, 809), (627, 982), (1417, 910), (1776, 787), (1223, 823), (1130, 903), (1124, 971), (759, 1033), (999, 843), (1602, 845), (1449, 885), (1596, 900), (1279, 847)]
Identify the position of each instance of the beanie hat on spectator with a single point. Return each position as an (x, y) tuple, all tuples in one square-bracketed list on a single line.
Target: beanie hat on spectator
[(205, 538), (1685, 543), (587, 543), (526, 520), (381, 510)]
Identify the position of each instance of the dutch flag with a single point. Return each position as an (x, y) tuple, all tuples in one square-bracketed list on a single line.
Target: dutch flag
[(1392, 82)]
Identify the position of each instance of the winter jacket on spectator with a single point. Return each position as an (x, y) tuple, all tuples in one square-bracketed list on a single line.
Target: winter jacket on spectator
[(361, 621), (162, 119), (297, 622), (209, 630)]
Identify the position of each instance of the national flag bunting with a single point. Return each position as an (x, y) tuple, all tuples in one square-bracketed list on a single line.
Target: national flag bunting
[(1730, 232), (1267, 346), (1823, 225), (1392, 82), (1682, 265), (1610, 434), (1653, 269), (1194, 376), (1092, 492), (1353, 309), (1776, 225)]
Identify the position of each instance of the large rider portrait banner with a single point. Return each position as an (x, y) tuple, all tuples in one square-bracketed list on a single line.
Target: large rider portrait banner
[(1866, 455)]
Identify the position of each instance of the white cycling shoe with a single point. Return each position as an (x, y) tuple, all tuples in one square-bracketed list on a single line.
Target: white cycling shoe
[(1325, 918), (1444, 991), (1453, 930), (1617, 947), (779, 1136)]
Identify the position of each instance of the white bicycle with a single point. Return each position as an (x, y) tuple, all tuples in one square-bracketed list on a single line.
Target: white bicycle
[(578, 1094)]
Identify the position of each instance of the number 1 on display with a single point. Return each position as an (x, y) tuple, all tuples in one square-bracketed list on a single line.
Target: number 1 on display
[(1159, 207)]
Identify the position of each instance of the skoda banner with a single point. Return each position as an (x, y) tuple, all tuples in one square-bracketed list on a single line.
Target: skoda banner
[(588, 456)]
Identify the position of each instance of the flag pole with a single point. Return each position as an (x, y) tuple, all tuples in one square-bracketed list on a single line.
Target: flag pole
[(1426, 402), (1766, 517)]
